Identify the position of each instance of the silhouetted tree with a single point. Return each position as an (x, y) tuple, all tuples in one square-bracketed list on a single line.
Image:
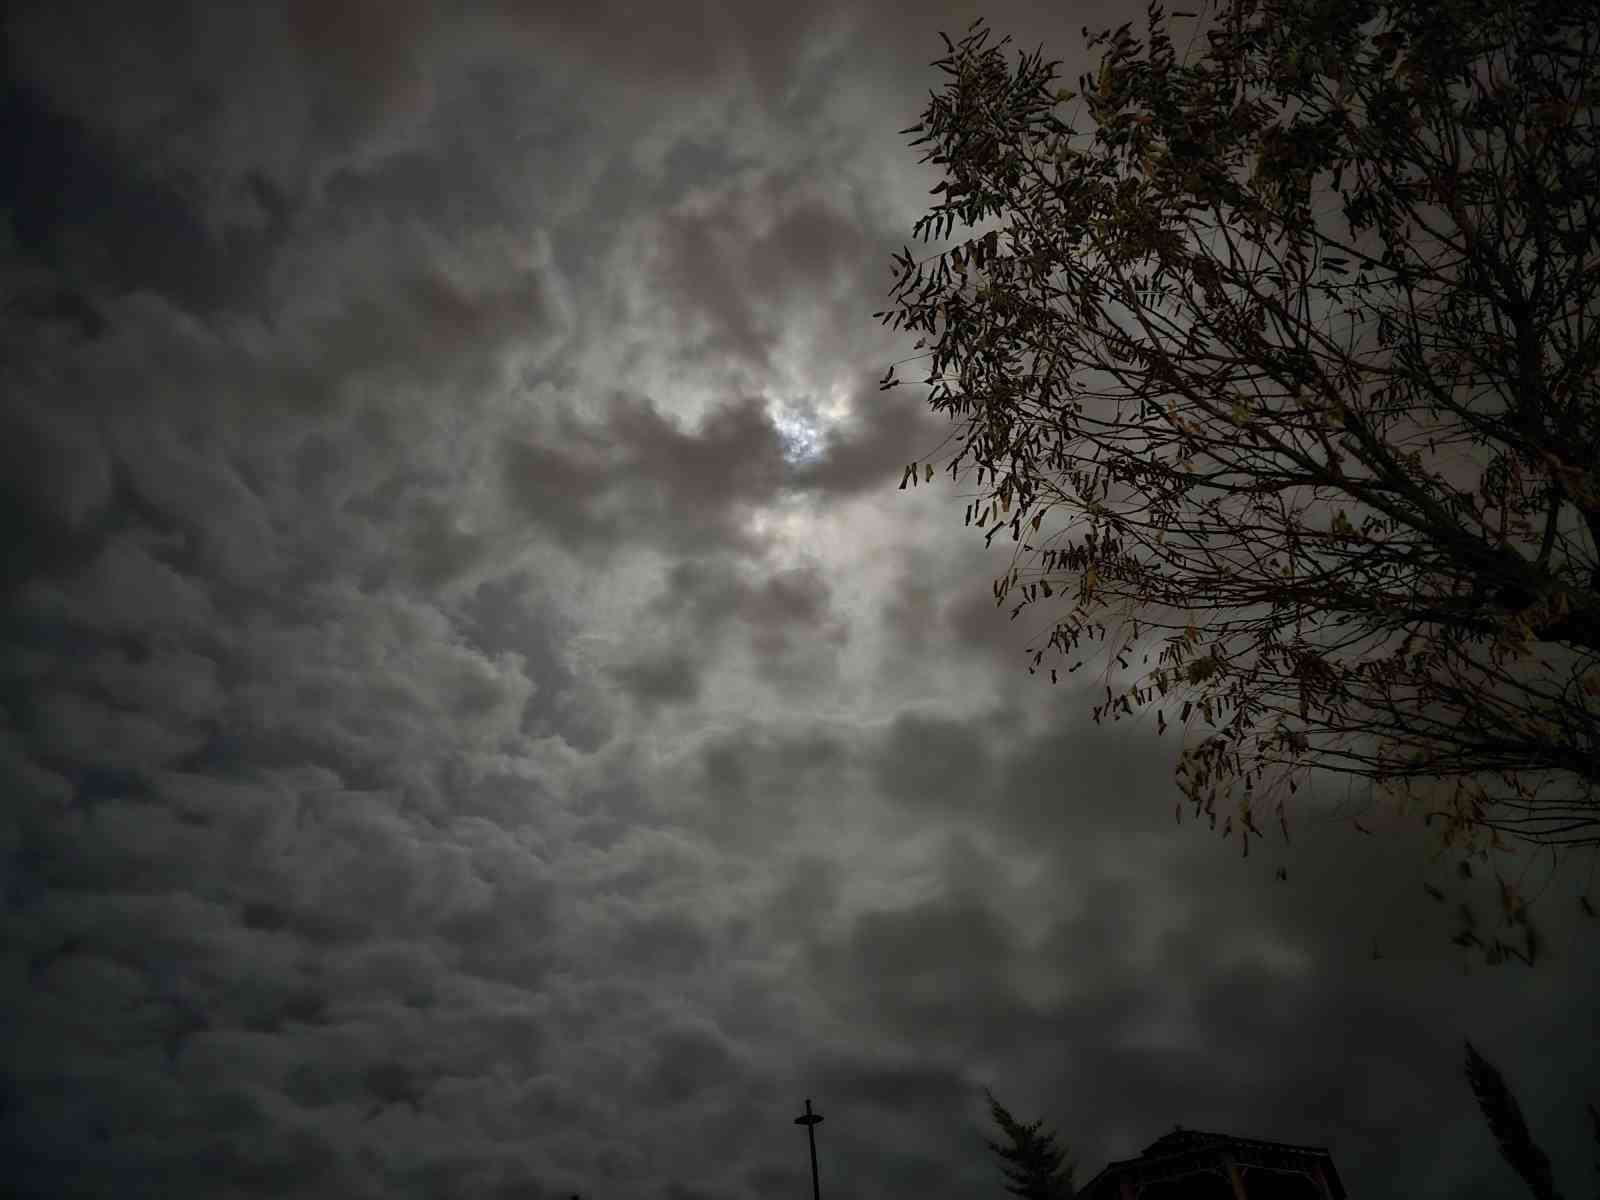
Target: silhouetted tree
[(1035, 1167), (1297, 353), (1504, 1115)]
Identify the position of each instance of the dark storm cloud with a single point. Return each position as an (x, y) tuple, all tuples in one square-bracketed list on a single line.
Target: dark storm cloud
[(242, 694), (187, 88), (687, 1062), (508, 615), (639, 477), (477, 717), (372, 51), (633, 475), (45, 305), (712, 594), (173, 704), (76, 202), (933, 969), (745, 786), (738, 259), (792, 631), (683, 47), (669, 679), (899, 1088), (932, 760)]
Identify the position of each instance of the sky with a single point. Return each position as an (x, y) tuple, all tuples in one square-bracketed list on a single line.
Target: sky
[(480, 720)]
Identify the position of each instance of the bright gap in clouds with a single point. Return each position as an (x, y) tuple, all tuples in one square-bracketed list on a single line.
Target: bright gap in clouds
[(801, 428), (805, 424)]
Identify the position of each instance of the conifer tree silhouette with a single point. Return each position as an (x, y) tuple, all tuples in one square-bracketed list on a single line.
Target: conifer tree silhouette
[(1035, 1167), (1504, 1115)]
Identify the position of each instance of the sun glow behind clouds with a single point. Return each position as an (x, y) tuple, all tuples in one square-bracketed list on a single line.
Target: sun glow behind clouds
[(806, 422), (800, 427)]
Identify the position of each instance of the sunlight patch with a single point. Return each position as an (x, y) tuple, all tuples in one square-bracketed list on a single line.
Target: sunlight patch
[(800, 430)]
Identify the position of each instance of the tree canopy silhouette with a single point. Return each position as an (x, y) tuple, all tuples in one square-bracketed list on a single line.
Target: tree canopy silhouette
[(1510, 1130), (1035, 1167), (1282, 377)]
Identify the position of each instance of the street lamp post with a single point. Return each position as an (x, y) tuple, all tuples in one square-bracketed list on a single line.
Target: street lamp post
[(811, 1120)]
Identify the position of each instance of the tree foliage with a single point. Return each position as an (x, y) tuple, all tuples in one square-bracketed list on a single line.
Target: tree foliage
[(1510, 1130), (1504, 1117), (1035, 1167), (1282, 377)]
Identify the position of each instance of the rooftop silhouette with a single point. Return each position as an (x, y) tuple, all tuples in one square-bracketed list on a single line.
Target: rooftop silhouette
[(1189, 1164)]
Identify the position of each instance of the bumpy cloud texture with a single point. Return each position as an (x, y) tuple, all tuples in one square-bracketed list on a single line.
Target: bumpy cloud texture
[(478, 717)]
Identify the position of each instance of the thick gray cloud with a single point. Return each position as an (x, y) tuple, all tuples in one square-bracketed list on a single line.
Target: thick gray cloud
[(477, 717)]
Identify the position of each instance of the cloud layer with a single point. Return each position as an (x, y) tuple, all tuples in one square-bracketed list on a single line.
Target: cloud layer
[(479, 718)]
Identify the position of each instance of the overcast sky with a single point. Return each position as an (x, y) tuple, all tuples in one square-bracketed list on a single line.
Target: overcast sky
[(479, 719)]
